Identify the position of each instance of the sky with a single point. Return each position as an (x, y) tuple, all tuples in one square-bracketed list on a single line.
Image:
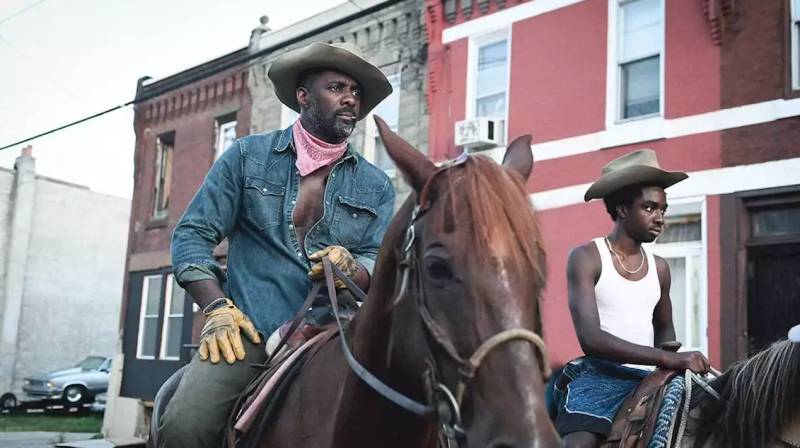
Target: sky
[(63, 60)]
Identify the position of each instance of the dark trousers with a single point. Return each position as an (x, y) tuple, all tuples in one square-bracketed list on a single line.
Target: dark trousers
[(198, 412)]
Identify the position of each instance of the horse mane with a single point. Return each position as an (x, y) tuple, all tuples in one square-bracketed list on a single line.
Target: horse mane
[(759, 399)]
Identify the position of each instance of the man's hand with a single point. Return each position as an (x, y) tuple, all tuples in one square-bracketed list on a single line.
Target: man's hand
[(694, 361), (222, 333), (340, 257)]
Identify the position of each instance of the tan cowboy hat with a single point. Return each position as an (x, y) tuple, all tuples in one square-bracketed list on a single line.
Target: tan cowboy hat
[(638, 167), (343, 57)]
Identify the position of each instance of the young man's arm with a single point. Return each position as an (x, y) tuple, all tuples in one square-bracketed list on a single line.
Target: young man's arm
[(662, 315), (662, 320), (583, 270)]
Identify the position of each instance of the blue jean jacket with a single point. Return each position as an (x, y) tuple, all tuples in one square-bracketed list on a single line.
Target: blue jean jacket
[(249, 196)]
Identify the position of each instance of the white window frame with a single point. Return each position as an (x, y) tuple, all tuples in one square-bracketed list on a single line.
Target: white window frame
[(160, 168), (219, 141), (473, 50), (690, 251), (162, 354), (371, 129), (142, 315), (614, 66), (795, 45)]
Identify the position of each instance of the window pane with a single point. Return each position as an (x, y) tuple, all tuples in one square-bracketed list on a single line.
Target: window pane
[(389, 108), (640, 88), (641, 29), (288, 116), (226, 134), (178, 298), (677, 292), (491, 106), (492, 77), (153, 295), (382, 159), (173, 344), (776, 221), (149, 336), (683, 229)]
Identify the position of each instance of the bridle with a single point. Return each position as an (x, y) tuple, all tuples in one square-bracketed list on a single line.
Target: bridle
[(442, 405)]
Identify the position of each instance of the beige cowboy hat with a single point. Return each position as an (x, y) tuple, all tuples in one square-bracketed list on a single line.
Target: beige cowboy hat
[(343, 57), (638, 167)]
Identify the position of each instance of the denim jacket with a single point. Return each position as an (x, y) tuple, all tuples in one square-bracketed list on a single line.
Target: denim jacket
[(249, 196)]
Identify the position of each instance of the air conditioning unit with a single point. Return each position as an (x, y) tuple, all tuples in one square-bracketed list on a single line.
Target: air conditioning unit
[(480, 133)]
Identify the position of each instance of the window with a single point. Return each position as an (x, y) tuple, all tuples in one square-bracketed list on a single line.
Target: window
[(491, 80), (173, 320), (225, 131), (639, 44), (148, 317), (681, 246), (165, 149), (795, 46), (161, 327), (389, 110), (288, 116)]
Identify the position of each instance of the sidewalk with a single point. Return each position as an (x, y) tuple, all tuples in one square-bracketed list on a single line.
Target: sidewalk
[(40, 439)]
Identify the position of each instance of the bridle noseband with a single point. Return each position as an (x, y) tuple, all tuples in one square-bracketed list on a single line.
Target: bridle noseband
[(442, 405)]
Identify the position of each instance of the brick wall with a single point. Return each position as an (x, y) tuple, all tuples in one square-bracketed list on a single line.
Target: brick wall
[(754, 58), (190, 112), (753, 53)]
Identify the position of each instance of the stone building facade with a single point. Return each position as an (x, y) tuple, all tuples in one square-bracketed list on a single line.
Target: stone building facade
[(61, 272)]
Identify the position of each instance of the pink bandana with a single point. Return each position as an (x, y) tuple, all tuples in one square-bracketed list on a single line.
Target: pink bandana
[(313, 153)]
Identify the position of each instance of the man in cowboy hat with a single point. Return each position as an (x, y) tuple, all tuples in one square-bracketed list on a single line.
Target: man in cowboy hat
[(619, 301), (283, 199)]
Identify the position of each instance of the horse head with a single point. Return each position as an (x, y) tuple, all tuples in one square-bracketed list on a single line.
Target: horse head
[(757, 404), (464, 273)]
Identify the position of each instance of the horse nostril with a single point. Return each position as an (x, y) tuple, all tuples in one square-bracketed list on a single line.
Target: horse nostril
[(501, 444)]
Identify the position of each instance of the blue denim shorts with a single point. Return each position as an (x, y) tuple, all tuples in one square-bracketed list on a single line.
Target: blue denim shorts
[(589, 393)]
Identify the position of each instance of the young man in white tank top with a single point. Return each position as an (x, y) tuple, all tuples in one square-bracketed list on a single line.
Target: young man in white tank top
[(619, 301)]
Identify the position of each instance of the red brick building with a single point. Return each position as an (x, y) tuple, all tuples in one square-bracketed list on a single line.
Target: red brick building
[(712, 86), (182, 123)]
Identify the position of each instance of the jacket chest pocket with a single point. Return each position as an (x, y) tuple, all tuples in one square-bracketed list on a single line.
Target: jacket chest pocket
[(264, 201), (351, 219)]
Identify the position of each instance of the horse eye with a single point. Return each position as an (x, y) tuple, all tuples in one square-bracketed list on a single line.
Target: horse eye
[(438, 269)]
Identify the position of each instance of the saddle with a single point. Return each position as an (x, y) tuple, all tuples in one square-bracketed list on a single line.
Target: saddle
[(256, 405), (635, 421)]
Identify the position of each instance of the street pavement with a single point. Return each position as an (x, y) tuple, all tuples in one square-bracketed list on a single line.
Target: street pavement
[(40, 439)]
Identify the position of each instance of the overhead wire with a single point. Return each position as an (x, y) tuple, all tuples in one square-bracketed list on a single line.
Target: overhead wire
[(14, 15), (244, 59)]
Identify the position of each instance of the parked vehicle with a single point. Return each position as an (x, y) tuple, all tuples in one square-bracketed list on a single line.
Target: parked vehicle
[(74, 385)]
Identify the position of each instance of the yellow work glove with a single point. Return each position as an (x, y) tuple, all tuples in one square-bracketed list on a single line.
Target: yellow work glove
[(340, 257), (221, 333)]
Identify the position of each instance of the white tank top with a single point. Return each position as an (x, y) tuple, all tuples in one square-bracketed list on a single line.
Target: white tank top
[(626, 306)]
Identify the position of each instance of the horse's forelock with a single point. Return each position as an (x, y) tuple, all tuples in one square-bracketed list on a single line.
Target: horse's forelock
[(503, 220)]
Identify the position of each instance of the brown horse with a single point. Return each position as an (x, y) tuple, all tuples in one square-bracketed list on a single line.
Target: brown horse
[(467, 249), (759, 404)]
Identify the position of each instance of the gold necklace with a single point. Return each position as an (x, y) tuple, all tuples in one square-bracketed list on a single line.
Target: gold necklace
[(641, 250)]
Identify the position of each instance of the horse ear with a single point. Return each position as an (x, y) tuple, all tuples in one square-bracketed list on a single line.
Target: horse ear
[(519, 157), (416, 168)]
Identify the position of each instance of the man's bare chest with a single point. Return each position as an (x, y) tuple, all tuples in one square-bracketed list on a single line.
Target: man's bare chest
[(310, 205)]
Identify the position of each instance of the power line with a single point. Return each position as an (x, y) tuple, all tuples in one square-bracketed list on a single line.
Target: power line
[(21, 11), (245, 58), (90, 117)]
